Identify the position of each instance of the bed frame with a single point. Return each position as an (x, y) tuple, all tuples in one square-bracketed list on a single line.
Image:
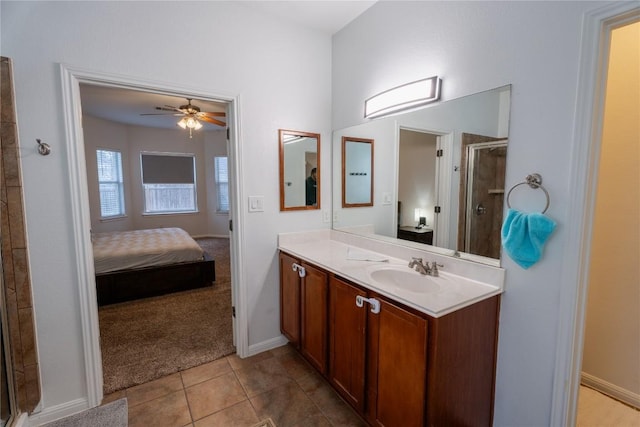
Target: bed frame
[(127, 285)]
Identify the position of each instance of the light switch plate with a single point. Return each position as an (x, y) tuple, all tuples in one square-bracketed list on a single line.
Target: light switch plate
[(256, 203)]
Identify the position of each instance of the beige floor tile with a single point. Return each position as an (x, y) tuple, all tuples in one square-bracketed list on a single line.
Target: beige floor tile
[(154, 389), (329, 402), (168, 411), (205, 372), (263, 376), (287, 348), (287, 405), (214, 395), (317, 420), (237, 363), (294, 364), (239, 415)]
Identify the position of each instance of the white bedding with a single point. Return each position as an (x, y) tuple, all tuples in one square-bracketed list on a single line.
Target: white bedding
[(123, 250)]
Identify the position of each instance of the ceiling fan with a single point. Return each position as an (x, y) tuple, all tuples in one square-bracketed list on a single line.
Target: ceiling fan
[(191, 115)]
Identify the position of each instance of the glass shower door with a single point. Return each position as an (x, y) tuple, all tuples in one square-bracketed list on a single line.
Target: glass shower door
[(485, 195)]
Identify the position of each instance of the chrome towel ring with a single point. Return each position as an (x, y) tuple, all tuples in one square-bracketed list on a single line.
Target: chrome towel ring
[(534, 181)]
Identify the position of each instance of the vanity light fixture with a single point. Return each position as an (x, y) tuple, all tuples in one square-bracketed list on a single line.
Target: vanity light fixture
[(406, 96), (191, 123)]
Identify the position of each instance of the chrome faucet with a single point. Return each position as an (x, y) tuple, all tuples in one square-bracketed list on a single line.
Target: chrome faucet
[(416, 264), (434, 268), (425, 269)]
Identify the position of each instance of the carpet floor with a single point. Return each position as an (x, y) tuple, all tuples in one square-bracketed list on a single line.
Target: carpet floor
[(150, 338)]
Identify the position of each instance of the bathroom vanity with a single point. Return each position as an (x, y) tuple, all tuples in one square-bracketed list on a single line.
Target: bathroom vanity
[(423, 354)]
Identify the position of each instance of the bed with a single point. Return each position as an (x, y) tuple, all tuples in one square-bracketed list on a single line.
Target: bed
[(144, 263)]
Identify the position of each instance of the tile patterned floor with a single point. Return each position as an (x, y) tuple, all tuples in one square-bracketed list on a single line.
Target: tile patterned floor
[(234, 392)]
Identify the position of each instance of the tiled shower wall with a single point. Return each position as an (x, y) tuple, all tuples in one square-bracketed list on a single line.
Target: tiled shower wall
[(15, 278)]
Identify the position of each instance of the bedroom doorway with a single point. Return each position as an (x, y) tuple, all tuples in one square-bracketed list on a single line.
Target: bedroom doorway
[(74, 84)]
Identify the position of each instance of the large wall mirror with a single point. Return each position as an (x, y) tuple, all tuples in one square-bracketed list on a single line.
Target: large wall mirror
[(439, 182), (299, 170), (357, 172)]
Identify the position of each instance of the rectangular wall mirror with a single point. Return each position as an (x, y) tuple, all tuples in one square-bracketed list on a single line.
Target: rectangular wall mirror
[(299, 170), (357, 172), (439, 182)]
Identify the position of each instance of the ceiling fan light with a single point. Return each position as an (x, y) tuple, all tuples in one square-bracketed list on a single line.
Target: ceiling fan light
[(182, 123), (198, 125)]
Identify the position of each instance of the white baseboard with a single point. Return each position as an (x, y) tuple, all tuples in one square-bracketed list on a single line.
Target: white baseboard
[(612, 390), (267, 345), (56, 412)]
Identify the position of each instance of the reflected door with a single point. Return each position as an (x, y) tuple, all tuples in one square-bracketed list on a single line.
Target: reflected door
[(485, 195)]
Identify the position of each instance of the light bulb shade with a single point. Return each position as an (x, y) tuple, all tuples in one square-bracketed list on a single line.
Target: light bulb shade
[(409, 95), (418, 214), (189, 122)]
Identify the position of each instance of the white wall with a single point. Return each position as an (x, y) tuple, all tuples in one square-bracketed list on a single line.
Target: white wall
[(242, 56), (474, 46)]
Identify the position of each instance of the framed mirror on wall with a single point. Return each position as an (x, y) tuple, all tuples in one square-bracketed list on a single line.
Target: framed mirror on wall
[(299, 170), (357, 172), (439, 181)]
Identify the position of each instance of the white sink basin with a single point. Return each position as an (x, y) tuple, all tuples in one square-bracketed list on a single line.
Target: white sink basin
[(404, 278)]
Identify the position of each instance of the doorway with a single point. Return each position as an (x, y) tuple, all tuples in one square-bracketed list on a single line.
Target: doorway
[(598, 25), (424, 183), (611, 349), (80, 211)]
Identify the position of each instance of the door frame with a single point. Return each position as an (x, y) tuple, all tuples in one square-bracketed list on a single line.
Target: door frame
[(85, 273), (443, 173), (583, 179)]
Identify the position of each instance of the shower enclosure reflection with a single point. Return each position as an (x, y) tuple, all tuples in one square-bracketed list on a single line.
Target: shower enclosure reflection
[(483, 206)]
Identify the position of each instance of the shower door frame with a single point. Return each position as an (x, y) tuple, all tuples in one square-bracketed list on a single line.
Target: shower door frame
[(471, 155)]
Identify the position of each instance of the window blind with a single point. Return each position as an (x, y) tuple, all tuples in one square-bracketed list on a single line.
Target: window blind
[(167, 169)]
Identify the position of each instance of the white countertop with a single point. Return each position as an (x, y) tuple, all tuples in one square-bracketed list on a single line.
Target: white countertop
[(455, 291)]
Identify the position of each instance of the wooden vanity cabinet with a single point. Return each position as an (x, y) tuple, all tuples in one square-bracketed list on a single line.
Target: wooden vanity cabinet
[(303, 313), (290, 299), (399, 366), (347, 342), (397, 370), (313, 317)]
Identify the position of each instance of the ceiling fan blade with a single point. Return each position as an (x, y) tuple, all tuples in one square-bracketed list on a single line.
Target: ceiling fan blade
[(169, 108), (213, 121), (161, 114), (212, 113)]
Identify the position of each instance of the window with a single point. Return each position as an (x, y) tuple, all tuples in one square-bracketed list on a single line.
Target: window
[(168, 181), (110, 183), (222, 184)]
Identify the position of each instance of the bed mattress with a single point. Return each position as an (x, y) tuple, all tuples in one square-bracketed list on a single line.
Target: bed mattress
[(125, 250)]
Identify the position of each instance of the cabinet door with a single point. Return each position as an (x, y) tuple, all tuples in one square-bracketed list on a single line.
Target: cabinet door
[(289, 299), (347, 324), (398, 364), (314, 305)]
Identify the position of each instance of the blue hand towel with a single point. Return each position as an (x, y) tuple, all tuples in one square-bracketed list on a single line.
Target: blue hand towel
[(524, 236)]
